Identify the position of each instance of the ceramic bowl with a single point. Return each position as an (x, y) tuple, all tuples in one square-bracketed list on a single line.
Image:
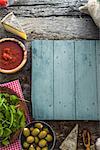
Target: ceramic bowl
[(24, 55), (45, 125)]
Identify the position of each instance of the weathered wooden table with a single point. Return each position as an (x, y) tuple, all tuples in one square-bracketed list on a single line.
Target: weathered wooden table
[(52, 19)]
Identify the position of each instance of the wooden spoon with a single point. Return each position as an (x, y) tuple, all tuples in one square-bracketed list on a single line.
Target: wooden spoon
[(86, 139)]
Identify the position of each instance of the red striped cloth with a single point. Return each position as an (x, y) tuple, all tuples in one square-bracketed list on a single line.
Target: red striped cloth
[(15, 86)]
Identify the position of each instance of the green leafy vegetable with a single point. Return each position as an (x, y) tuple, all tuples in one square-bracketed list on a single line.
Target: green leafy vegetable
[(14, 99), (5, 142), (1, 130), (7, 132), (11, 118)]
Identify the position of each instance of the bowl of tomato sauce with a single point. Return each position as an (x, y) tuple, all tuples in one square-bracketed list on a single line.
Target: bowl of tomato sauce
[(13, 55)]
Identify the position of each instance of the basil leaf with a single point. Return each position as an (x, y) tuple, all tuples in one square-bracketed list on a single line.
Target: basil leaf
[(7, 132), (12, 117), (14, 99), (5, 141), (1, 130), (23, 122)]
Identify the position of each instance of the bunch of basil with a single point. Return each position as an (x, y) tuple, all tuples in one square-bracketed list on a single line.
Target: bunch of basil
[(11, 117)]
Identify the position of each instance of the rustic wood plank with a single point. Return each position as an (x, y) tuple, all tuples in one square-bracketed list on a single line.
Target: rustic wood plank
[(50, 19), (70, 81), (42, 79), (47, 7), (86, 90), (57, 28), (98, 75), (63, 128), (64, 103), (46, 11), (44, 2)]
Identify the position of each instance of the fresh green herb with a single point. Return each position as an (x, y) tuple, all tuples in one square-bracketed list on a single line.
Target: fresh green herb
[(11, 118)]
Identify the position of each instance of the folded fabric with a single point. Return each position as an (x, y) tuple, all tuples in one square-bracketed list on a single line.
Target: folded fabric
[(92, 8)]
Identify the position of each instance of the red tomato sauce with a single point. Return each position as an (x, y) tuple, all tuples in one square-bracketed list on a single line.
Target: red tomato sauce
[(11, 55)]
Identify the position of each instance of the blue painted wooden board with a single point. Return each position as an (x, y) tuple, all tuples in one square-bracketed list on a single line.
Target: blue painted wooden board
[(98, 76), (85, 72), (42, 79), (66, 79)]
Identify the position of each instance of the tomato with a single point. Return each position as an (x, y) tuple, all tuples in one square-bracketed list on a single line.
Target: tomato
[(11, 55), (3, 2)]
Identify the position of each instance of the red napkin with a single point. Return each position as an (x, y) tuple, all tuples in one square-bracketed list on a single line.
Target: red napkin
[(16, 87)]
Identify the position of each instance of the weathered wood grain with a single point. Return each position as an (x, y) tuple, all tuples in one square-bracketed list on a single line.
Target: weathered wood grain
[(98, 75), (57, 28), (63, 128), (64, 102), (65, 80), (46, 8), (45, 26), (85, 72), (42, 79), (52, 2), (49, 19)]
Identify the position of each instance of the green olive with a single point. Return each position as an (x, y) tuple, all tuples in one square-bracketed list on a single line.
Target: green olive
[(25, 145), (38, 148), (45, 148), (26, 132), (42, 134), (31, 147), (30, 139), (38, 125), (31, 129), (42, 143), (49, 138), (35, 132), (46, 129), (36, 140)]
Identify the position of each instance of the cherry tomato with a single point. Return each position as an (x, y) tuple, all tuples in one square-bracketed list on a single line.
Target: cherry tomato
[(3, 2)]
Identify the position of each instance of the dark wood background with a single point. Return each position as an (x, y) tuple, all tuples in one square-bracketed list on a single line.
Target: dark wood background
[(52, 19)]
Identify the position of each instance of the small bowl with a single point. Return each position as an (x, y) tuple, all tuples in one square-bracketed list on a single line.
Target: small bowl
[(45, 125), (24, 55)]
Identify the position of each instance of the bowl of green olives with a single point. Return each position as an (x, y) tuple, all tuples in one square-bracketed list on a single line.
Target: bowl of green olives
[(37, 135)]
